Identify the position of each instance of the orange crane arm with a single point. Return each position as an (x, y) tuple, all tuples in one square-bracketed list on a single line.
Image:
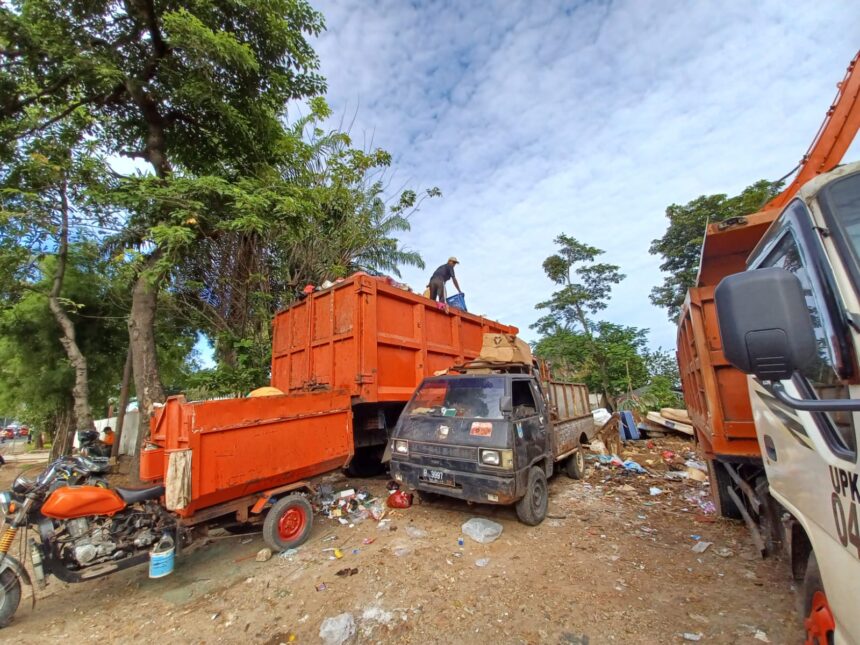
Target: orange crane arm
[(834, 136)]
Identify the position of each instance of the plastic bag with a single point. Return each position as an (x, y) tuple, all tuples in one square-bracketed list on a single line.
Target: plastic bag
[(399, 499), (481, 530)]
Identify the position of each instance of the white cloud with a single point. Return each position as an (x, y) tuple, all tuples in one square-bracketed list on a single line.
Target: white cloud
[(588, 118)]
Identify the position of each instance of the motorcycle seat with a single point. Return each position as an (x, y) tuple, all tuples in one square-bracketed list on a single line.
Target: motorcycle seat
[(135, 495)]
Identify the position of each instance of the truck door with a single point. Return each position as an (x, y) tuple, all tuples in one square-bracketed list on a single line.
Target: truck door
[(526, 418)]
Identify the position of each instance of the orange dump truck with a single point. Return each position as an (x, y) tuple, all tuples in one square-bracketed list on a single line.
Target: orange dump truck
[(347, 360), (715, 392)]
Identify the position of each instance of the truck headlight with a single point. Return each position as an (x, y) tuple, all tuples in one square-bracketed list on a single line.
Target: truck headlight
[(491, 457), (401, 447)]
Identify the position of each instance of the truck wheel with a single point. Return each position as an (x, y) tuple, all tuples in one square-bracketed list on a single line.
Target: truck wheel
[(531, 509), (817, 617), (10, 596), (575, 465), (288, 523), (721, 481)]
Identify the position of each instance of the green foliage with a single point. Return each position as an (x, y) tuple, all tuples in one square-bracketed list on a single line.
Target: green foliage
[(611, 361), (681, 244), (35, 376), (586, 286)]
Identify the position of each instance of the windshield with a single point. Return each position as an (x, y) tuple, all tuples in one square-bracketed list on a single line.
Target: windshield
[(842, 199), (467, 396)]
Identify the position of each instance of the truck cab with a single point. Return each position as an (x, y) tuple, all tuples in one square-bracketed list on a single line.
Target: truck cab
[(792, 322), (491, 437)]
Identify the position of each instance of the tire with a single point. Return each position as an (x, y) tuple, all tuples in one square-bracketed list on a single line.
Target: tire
[(10, 596), (288, 523), (531, 509), (721, 481), (815, 611), (575, 464)]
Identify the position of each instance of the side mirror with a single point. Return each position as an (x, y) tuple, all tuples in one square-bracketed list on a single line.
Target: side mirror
[(765, 324), (506, 405)]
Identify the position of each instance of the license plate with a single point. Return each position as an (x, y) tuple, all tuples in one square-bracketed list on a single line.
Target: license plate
[(439, 477)]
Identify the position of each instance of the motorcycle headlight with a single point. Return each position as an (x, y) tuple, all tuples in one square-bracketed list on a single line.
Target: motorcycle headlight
[(22, 485), (5, 499), (491, 457)]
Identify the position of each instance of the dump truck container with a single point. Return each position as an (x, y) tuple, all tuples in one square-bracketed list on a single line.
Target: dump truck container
[(346, 360)]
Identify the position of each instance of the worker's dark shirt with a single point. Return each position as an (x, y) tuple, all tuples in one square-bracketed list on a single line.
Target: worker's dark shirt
[(443, 273)]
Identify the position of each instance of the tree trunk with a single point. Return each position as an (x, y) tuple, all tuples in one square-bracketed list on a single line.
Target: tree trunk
[(81, 391), (141, 333), (123, 404)]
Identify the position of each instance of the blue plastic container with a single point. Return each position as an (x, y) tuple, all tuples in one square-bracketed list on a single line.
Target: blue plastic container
[(161, 558), (459, 301)]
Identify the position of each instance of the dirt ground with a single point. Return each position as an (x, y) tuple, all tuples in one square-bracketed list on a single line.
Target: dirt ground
[(612, 563)]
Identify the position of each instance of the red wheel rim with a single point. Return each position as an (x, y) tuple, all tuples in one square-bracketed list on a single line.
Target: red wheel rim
[(819, 624), (292, 523)]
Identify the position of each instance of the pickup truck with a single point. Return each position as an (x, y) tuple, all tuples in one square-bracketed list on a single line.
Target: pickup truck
[(492, 433)]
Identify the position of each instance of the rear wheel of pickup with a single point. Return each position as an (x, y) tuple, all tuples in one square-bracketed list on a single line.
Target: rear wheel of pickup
[(531, 509), (288, 523), (818, 619), (575, 464)]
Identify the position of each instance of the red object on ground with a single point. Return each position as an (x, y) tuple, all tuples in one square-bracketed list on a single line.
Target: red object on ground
[(399, 499), (308, 289)]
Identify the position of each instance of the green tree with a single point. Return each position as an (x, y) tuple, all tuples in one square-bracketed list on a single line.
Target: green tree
[(196, 90), (586, 286), (681, 244)]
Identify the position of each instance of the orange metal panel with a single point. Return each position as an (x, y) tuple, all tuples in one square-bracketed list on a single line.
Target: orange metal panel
[(715, 392), (372, 339), (243, 446)]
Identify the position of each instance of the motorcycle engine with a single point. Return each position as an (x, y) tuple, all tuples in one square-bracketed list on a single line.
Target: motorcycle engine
[(89, 541)]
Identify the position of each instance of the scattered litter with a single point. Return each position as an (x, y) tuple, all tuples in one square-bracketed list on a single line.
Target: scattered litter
[(761, 636), (692, 637), (598, 446), (626, 488), (345, 573), (289, 553), (696, 474), (392, 486), (655, 491), (246, 540), (321, 586), (482, 562), (415, 532), (696, 537), (350, 506), (701, 547), (368, 540), (336, 630), (329, 538), (338, 554), (676, 475), (263, 555), (482, 530), (724, 552), (696, 465), (632, 466), (460, 541), (399, 499), (400, 551)]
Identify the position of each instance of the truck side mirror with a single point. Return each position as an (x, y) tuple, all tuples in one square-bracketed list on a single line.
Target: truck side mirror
[(765, 325), (506, 405)]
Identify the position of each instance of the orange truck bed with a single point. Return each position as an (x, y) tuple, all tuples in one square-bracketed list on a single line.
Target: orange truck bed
[(715, 392), (362, 342)]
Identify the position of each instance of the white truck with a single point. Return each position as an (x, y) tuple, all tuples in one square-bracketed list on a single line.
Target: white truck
[(791, 321)]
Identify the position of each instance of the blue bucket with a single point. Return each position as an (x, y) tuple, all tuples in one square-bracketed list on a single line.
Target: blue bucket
[(161, 558), (459, 301)]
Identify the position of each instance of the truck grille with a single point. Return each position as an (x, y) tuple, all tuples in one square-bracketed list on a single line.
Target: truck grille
[(437, 450)]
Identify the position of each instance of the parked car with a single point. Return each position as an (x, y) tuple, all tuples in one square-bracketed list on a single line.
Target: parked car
[(7, 433), (23, 431)]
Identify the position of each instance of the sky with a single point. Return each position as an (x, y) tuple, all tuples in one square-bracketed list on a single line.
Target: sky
[(587, 118)]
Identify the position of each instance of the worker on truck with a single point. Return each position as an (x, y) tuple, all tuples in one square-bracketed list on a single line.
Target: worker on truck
[(440, 277)]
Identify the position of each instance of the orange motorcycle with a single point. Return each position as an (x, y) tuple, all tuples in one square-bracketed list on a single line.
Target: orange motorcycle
[(81, 532)]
